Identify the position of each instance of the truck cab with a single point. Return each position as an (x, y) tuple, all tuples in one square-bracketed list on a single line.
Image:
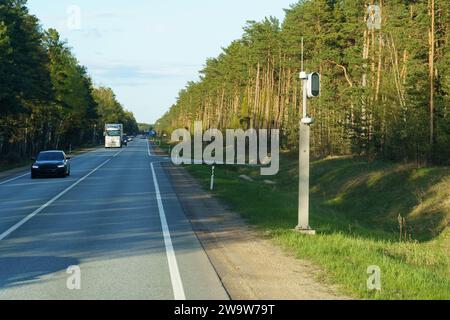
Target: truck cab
[(113, 135)]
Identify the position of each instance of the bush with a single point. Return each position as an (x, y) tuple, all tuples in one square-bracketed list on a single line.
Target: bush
[(12, 158)]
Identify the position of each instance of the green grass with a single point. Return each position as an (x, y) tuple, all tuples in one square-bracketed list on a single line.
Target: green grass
[(355, 207)]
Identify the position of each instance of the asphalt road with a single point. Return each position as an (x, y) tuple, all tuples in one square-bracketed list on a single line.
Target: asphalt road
[(116, 218)]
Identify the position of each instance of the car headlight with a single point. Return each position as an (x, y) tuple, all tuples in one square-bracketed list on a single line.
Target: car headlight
[(35, 167), (61, 166)]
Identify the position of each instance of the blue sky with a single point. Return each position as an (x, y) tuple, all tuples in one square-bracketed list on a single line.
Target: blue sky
[(148, 50)]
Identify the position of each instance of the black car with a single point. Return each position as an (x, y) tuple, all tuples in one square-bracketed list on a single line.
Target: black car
[(50, 163)]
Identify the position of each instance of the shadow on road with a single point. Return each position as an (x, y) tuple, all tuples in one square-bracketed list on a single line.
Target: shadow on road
[(113, 215), (16, 271)]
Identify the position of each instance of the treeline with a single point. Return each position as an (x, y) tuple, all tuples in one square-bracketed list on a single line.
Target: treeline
[(385, 92), (145, 127), (47, 99)]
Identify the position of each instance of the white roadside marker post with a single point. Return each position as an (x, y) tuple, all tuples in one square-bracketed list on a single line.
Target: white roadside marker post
[(213, 168)]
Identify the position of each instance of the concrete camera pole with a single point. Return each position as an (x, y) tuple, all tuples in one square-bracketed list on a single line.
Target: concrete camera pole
[(304, 162)]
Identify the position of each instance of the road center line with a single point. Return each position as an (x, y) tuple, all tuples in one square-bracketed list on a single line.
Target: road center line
[(175, 277), (50, 202)]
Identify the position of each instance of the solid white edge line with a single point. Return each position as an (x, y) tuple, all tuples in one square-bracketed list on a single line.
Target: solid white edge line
[(50, 202), (175, 277), (12, 179), (27, 174)]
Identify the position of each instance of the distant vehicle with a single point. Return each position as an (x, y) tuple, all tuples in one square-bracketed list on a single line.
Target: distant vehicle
[(113, 135), (50, 163), (143, 137), (125, 140)]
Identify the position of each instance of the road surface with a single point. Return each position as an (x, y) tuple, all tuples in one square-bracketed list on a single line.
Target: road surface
[(115, 227)]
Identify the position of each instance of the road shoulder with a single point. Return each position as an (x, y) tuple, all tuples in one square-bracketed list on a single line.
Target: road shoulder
[(11, 172), (250, 266)]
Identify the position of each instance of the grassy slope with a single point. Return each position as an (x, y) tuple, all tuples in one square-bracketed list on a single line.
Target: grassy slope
[(355, 208)]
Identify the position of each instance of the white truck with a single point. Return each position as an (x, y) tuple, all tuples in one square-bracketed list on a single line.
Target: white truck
[(113, 135)]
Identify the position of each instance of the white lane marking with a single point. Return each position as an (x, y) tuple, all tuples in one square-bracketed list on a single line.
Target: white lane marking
[(160, 157), (175, 277), (12, 179), (148, 148), (27, 174), (50, 202)]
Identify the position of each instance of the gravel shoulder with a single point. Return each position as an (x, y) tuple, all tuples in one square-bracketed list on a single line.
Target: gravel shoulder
[(250, 266)]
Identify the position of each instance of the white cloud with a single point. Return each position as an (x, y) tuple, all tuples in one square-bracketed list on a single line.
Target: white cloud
[(121, 74)]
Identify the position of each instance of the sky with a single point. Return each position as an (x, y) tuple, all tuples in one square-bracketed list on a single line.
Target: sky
[(148, 50)]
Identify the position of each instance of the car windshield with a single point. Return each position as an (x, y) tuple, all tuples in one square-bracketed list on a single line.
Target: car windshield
[(50, 156), (113, 133)]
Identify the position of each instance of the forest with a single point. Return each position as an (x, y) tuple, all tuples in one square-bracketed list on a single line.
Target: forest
[(384, 90), (47, 99)]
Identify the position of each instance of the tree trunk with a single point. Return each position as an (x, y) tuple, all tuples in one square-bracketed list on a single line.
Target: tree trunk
[(431, 64)]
